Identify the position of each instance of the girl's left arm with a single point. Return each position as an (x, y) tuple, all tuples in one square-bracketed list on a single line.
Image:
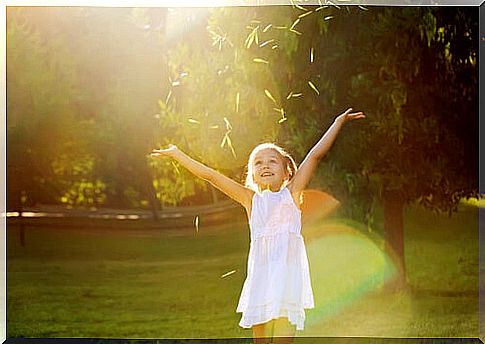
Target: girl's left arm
[(307, 167)]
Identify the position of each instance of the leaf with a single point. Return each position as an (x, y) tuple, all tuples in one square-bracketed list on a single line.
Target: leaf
[(295, 95), (280, 110), (297, 32), (266, 42), (214, 127), (228, 273), (320, 8), (168, 96), (312, 52), (280, 27), (328, 18), (282, 120), (363, 8), (228, 125), (274, 46), (237, 102), (176, 168), (196, 223), (193, 121), (253, 36), (303, 15), (331, 3), (300, 8), (294, 24), (289, 95), (267, 27), (258, 60), (314, 87), (229, 143), (224, 141), (270, 96)]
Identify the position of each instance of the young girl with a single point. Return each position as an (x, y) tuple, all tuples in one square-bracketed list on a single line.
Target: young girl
[(277, 288)]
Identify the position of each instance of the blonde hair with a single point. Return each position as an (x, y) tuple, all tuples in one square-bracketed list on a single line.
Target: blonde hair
[(287, 159)]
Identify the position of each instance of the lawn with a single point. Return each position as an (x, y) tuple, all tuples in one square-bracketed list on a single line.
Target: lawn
[(180, 283)]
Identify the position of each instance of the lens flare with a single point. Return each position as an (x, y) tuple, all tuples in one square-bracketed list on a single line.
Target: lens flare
[(345, 265)]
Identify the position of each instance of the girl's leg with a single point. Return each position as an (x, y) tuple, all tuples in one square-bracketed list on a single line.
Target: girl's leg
[(284, 332), (262, 333)]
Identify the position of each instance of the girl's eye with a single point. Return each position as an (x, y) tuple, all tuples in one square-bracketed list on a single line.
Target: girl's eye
[(257, 163)]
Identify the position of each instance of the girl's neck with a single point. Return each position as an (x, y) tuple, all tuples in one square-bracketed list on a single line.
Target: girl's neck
[(271, 188)]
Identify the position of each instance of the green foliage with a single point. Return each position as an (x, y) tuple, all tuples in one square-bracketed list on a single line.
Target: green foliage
[(41, 119)]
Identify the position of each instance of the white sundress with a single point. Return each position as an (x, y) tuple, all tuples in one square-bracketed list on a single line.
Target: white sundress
[(278, 278)]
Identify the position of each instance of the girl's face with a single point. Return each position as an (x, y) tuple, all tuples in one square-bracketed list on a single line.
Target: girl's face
[(269, 170)]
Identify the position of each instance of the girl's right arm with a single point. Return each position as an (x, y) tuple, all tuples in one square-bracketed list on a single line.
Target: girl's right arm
[(234, 190)]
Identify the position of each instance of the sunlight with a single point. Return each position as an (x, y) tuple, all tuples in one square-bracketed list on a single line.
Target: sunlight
[(345, 266)]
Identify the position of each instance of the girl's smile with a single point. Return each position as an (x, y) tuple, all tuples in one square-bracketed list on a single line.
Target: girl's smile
[(269, 171)]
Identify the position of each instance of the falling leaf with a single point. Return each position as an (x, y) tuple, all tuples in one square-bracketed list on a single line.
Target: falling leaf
[(270, 96), (183, 74), (281, 111), (328, 18), (193, 121), (168, 96), (297, 32), (282, 120), (176, 168), (294, 24), (331, 3), (196, 222), (314, 87), (258, 60), (289, 95), (274, 46), (281, 27), (237, 102), (300, 8), (176, 83), (214, 127), (228, 125), (224, 141), (229, 143), (305, 14), (267, 27), (363, 8), (266, 42), (320, 8), (295, 95), (312, 51), (228, 273), (253, 36)]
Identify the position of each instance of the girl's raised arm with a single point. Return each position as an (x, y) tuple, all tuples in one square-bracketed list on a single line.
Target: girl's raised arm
[(307, 167), (234, 190)]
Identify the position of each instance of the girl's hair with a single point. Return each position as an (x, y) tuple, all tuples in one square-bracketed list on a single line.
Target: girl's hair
[(287, 159)]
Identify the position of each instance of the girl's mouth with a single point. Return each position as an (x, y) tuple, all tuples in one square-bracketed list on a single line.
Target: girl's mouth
[(267, 174)]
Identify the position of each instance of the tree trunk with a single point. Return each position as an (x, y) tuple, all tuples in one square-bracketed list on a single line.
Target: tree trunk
[(394, 237)]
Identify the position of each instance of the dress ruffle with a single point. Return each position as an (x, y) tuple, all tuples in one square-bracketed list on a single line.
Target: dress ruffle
[(265, 313)]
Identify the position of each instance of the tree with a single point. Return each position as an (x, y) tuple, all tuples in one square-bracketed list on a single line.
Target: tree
[(401, 66), (413, 71)]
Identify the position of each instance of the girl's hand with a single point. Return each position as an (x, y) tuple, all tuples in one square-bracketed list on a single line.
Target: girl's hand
[(170, 152), (348, 116)]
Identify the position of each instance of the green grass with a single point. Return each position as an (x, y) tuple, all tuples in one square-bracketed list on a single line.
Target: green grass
[(139, 283)]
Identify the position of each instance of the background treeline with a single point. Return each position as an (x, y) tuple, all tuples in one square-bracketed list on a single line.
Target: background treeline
[(90, 91)]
